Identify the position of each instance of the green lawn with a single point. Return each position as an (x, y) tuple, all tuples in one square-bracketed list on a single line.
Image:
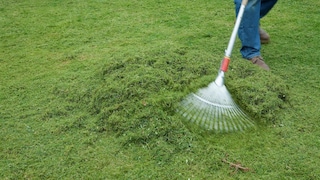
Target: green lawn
[(89, 90)]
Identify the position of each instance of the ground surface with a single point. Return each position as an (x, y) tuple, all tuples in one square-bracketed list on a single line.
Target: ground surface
[(89, 90)]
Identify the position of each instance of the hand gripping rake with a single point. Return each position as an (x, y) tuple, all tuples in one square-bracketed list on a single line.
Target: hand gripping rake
[(212, 107)]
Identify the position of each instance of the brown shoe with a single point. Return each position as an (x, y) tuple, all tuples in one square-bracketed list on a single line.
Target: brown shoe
[(264, 36), (257, 60)]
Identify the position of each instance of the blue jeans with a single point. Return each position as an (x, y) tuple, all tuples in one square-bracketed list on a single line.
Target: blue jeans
[(249, 27)]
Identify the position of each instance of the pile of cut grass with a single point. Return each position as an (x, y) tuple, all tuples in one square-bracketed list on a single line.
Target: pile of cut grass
[(262, 94), (147, 87)]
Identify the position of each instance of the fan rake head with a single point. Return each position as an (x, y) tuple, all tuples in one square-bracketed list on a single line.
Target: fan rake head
[(213, 108)]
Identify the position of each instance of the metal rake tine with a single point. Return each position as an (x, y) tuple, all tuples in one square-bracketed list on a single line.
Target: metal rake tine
[(214, 109)]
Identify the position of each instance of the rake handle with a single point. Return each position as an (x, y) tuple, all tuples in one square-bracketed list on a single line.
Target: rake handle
[(244, 2), (226, 59)]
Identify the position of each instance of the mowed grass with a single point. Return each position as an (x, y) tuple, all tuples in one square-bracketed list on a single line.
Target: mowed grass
[(89, 90)]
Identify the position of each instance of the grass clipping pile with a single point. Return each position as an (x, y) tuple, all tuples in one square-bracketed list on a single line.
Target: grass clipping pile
[(139, 93), (138, 96), (262, 94)]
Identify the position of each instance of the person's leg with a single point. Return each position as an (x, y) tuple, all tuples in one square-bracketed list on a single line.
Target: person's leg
[(249, 29), (249, 32), (266, 6)]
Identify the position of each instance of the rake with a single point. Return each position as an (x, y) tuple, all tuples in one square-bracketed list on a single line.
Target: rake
[(213, 107)]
